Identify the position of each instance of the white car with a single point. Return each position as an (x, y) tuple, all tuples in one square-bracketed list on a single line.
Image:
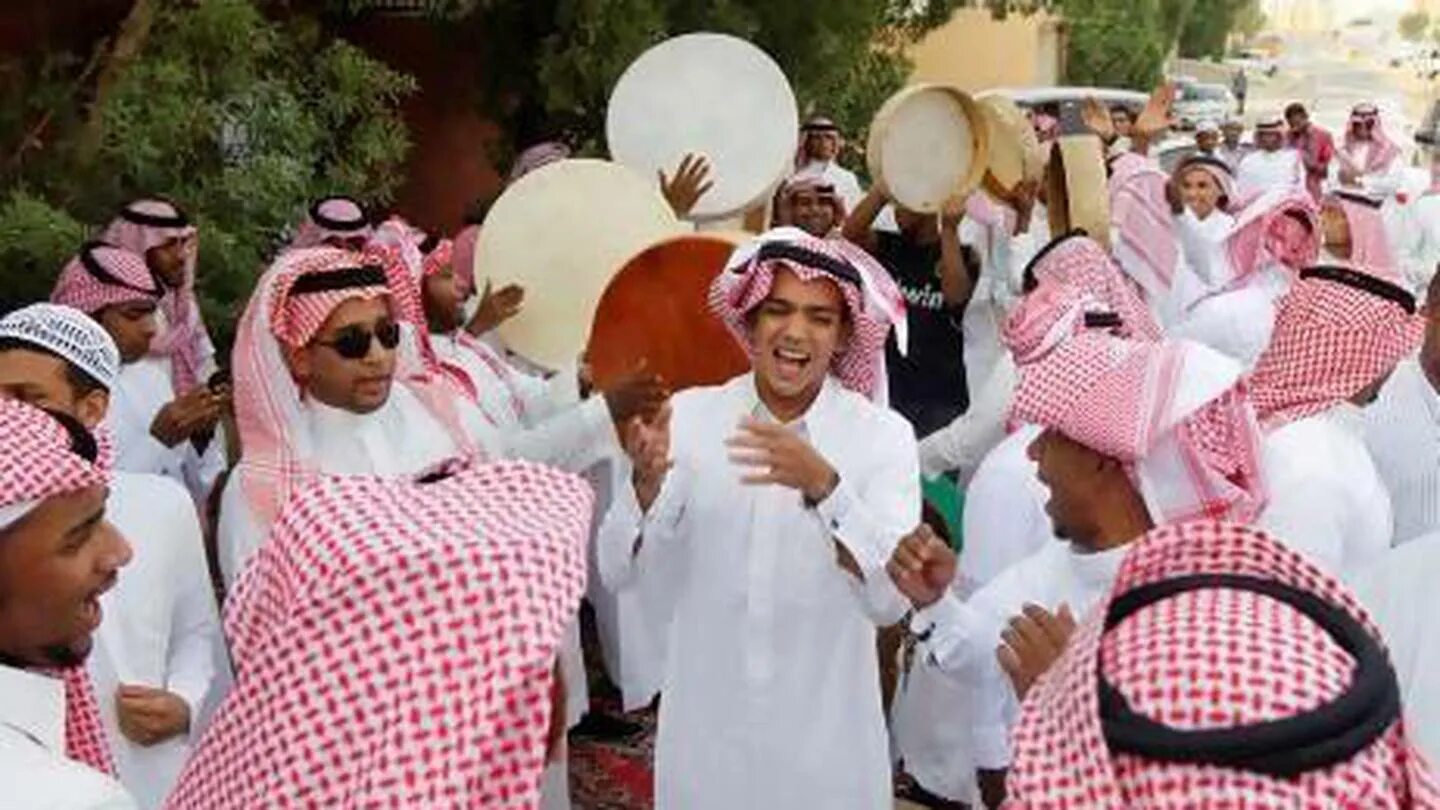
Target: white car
[(1064, 103), (1255, 62), (1196, 102)]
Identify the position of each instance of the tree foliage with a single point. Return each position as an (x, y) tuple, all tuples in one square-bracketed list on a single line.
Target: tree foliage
[(1414, 25), (237, 118)]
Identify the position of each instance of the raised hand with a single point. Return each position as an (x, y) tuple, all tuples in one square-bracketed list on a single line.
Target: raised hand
[(776, 454), (647, 443), (639, 393), (496, 307), (1032, 643), (922, 566), (691, 181), (1156, 116), (190, 414)]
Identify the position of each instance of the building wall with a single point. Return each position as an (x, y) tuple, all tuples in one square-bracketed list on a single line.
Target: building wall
[(974, 51)]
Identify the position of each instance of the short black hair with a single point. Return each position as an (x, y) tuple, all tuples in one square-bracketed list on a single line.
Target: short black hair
[(1296, 108), (1121, 108), (81, 381)]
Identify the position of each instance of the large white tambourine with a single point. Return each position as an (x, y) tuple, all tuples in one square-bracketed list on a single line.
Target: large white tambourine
[(928, 142), (561, 232), (714, 95)]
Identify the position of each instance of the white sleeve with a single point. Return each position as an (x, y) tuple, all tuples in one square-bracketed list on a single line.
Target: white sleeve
[(195, 634), (962, 444), (953, 633), (619, 530), (238, 536), (574, 439), (868, 517), (1305, 515)]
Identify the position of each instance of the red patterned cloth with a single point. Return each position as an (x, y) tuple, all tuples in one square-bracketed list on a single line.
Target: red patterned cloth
[(1281, 226), (1076, 260), (122, 277), (1331, 340), (1383, 150), (1174, 412), (1146, 246), (394, 642), (1214, 658), (37, 461), (148, 223), (438, 257), (875, 304), (1369, 243), (464, 259)]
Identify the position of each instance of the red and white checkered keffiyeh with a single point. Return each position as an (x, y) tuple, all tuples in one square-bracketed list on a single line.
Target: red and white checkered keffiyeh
[(1208, 660), (1175, 413), (393, 645), (102, 275), (1219, 171), (814, 184), (1331, 340), (438, 257), (874, 306), (269, 405), (1076, 260), (329, 218), (1369, 243), (1279, 227), (37, 461), (1147, 247), (148, 223)]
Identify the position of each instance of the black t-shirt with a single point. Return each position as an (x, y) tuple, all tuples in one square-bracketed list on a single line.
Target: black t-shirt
[(927, 386)]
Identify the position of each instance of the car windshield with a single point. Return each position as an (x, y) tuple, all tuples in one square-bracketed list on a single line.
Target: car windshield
[(1204, 93)]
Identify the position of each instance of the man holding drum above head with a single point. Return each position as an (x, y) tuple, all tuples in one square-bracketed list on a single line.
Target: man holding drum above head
[(780, 494), (936, 274)]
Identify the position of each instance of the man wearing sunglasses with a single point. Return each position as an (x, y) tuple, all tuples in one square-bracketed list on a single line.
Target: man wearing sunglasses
[(155, 429)]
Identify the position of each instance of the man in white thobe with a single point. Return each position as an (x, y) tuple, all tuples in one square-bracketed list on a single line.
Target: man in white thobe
[(57, 556), (782, 521), (1272, 165), (158, 658), (1402, 432), (1105, 492), (1397, 591), (820, 147), (1338, 335), (155, 431)]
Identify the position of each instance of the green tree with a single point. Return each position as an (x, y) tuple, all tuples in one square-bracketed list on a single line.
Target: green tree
[(238, 118), (1414, 25), (1119, 43)]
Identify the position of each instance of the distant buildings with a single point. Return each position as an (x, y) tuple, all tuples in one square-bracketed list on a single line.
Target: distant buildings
[(1302, 16)]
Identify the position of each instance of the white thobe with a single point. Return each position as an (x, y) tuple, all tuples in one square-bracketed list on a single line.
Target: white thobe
[(962, 444), (402, 437), (1418, 243), (1203, 270), (962, 636), (846, 184), (140, 391), (772, 691), (34, 771), (995, 293), (1326, 498), (161, 627), (1262, 171), (1005, 522), (1237, 322), (1398, 592), (1402, 432)]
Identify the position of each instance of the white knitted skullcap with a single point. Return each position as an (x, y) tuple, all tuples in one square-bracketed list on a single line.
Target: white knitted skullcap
[(68, 332)]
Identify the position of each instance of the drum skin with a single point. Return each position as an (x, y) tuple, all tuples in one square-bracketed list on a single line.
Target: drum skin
[(929, 142), (656, 308), (561, 232)]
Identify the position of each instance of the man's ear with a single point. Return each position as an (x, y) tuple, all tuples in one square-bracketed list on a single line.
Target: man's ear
[(91, 408), (297, 358)]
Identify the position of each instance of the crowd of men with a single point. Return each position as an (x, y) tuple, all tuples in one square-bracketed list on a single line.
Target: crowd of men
[(1199, 453)]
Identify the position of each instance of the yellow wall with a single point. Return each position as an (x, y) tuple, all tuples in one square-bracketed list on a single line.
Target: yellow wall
[(974, 51)]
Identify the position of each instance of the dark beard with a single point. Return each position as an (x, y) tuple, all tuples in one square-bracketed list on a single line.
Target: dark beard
[(57, 655)]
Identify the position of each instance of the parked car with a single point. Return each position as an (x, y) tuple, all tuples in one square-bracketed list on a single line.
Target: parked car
[(1257, 62), (1196, 102), (1064, 103)]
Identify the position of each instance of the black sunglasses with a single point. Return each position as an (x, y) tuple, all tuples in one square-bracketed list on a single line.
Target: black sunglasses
[(353, 342)]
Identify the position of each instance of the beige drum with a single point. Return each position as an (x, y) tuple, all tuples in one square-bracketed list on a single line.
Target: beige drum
[(1076, 187), (1014, 153), (928, 142), (715, 95), (561, 232)]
